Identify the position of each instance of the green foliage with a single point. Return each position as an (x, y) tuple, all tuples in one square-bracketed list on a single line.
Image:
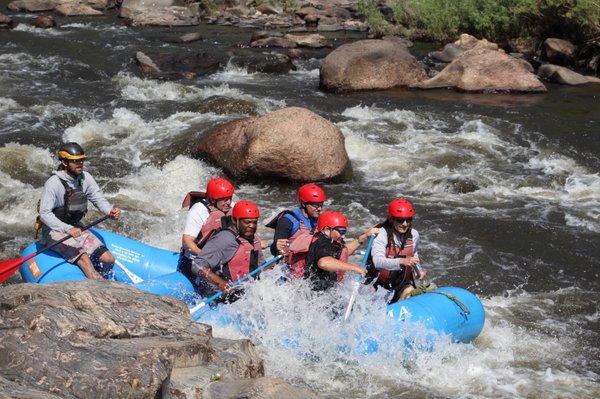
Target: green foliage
[(374, 18), (494, 19), (209, 5)]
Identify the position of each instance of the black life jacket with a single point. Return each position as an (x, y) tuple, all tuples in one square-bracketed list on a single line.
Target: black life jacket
[(75, 204)]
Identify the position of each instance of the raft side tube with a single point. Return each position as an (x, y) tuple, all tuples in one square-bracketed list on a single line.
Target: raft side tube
[(449, 310)]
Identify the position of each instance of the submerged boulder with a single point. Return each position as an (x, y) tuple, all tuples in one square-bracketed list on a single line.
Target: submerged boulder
[(100, 339), (44, 21), (6, 22), (176, 65), (565, 76), (369, 65), (292, 143), (261, 61), (483, 69)]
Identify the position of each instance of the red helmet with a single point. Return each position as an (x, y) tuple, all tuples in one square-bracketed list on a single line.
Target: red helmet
[(401, 208), (219, 188), (311, 193), (245, 209), (331, 219)]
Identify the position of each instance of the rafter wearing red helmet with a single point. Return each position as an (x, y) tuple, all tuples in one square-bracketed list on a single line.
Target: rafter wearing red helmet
[(328, 254), (230, 254), (394, 260), (295, 228), (208, 212)]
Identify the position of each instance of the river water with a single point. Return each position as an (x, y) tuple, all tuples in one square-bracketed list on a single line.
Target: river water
[(506, 188)]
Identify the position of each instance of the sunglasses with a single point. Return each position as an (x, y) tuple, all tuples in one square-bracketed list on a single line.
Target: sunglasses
[(76, 161), (341, 231), (402, 220), (315, 204)]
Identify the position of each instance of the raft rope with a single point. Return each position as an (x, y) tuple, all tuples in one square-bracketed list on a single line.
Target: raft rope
[(431, 287), (454, 299)]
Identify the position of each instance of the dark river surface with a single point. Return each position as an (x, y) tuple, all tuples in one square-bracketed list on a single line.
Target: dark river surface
[(525, 236)]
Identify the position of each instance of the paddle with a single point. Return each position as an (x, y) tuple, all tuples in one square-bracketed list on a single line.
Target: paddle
[(357, 280), (195, 310), (9, 267)]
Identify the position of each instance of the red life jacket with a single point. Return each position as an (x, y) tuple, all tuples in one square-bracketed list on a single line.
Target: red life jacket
[(215, 220), (392, 250), (244, 260), (299, 242), (344, 258)]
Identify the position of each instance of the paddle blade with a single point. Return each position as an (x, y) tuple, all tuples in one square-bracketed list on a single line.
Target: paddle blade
[(9, 267)]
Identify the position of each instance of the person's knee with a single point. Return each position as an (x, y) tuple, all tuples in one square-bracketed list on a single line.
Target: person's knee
[(107, 258), (406, 291)]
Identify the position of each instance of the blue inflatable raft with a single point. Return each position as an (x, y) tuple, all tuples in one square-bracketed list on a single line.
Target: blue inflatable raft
[(452, 311)]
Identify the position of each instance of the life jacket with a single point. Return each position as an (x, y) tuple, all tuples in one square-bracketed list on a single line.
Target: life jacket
[(244, 260), (75, 204), (387, 278), (303, 232), (216, 221)]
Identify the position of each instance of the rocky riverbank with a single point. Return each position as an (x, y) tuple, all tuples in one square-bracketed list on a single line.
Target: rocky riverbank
[(103, 339)]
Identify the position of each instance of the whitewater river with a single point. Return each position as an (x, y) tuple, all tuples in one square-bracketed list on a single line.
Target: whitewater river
[(507, 191)]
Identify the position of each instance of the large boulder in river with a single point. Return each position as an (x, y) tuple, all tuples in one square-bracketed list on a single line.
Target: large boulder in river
[(160, 12), (291, 143), (97, 339), (565, 76), (482, 69), (369, 65)]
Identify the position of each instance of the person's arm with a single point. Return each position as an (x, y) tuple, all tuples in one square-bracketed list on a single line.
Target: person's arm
[(283, 231), (218, 250), (331, 264), (52, 196), (195, 219), (361, 239), (380, 260), (95, 196), (416, 240)]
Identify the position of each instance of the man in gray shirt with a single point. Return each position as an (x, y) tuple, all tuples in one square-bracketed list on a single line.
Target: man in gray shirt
[(231, 253), (64, 204)]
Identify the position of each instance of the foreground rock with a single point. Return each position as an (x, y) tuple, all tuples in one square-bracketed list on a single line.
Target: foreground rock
[(176, 65), (565, 76), (160, 12), (369, 65), (101, 339), (482, 69), (292, 143)]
